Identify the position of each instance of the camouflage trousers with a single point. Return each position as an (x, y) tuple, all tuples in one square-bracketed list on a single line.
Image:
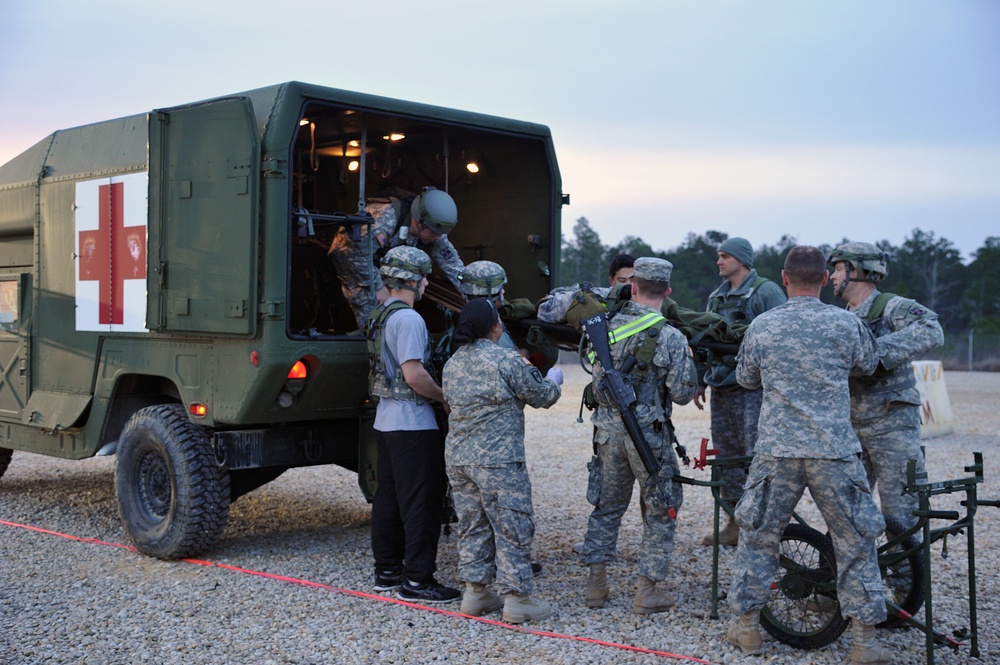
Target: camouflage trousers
[(842, 494), (889, 443), (618, 468), (354, 268), (496, 525), (734, 431)]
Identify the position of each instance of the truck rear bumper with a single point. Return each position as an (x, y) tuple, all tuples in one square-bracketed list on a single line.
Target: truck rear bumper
[(293, 445)]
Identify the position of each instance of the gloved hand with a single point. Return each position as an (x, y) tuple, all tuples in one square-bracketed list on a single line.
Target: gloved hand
[(555, 374)]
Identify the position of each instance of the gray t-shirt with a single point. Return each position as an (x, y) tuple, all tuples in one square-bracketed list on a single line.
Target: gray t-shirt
[(406, 339)]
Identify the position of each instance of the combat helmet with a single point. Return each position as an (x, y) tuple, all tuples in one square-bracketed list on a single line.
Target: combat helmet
[(435, 209), (862, 256), (405, 263), (482, 278)]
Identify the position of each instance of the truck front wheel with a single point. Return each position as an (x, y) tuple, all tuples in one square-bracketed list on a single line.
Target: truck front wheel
[(172, 494)]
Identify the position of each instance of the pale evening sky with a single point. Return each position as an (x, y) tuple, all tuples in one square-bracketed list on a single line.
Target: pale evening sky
[(820, 120)]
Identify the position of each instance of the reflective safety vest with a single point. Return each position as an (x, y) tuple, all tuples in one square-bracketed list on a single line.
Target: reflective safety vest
[(651, 323)]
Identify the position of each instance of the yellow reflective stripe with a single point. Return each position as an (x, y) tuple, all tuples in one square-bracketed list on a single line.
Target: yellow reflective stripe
[(629, 329), (633, 327)]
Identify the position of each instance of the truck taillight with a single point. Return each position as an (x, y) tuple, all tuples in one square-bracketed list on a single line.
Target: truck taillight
[(298, 371), (198, 410)]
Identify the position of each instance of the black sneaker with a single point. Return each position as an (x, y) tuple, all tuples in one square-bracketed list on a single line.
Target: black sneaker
[(388, 580), (429, 592)]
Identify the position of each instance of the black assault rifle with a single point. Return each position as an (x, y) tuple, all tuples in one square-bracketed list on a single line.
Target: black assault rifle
[(617, 389)]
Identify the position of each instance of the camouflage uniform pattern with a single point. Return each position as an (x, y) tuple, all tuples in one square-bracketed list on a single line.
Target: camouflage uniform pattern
[(670, 378), (359, 280), (735, 410), (553, 307), (487, 388), (885, 408), (482, 278), (485, 279), (802, 354)]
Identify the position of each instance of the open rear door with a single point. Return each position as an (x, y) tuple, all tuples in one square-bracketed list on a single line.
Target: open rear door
[(204, 174)]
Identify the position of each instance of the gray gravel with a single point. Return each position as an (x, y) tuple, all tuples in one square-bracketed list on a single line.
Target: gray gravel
[(66, 601)]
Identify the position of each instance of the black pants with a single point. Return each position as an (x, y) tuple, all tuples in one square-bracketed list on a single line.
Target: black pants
[(408, 506)]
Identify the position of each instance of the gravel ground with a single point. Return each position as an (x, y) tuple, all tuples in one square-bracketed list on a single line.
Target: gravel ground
[(288, 582)]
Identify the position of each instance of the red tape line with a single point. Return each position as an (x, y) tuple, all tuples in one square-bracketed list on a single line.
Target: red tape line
[(361, 594)]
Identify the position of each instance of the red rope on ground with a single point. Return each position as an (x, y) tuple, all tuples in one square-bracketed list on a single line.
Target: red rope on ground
[(361, 594)]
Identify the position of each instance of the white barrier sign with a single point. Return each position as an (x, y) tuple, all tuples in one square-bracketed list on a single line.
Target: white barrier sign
[(936, 416)]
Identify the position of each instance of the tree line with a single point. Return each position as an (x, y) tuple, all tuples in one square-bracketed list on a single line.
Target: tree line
[(925, 267)]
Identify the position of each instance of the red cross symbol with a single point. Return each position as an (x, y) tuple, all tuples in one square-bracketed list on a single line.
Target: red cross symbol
[(112, 253)]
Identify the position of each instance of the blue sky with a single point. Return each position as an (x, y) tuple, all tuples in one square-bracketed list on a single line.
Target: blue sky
[(819, 120)]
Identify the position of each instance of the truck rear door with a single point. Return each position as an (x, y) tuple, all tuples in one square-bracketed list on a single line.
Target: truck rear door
[(204, 170)]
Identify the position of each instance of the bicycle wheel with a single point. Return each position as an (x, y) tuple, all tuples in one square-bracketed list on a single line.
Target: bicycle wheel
[(803, 611), (903, 578)]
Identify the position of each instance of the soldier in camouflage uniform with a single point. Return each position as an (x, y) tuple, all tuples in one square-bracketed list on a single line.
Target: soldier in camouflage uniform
[(422, 222), (742, 297), (487, 386), (802, 353), (668, 378), (885, 407)]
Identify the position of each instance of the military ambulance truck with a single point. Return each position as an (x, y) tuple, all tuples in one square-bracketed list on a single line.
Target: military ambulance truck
[(166, 293)]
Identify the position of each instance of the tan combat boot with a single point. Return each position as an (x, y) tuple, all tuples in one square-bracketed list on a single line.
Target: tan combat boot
[(648, 600), (478, 600), (866, 649), (520, 607), (745, 633), (728, 535), (597, 586)]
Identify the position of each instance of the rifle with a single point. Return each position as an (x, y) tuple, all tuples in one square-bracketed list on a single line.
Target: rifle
[(307, 222), (617, 389)]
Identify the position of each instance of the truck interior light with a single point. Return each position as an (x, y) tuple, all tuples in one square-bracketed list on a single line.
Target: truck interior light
[(472, 167), (395, 136), (303, 122), (198, 410), (353, 165), (298, 370)]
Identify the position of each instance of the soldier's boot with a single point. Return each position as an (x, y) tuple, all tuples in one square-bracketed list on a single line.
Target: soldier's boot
[(728, 535), (745, 633), (478, 600), (866, 649), (648, 600), (597, 586), (520, 607)]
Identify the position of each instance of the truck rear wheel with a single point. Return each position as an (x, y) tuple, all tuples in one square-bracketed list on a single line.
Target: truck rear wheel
[(172, 493), (5, 455)]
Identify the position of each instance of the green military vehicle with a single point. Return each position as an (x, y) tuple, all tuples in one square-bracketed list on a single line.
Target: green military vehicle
[(166, 293)]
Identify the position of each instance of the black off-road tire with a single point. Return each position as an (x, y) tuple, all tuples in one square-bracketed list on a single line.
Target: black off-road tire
[(5, 455), (803, 611), (172, 494), (904, 581)]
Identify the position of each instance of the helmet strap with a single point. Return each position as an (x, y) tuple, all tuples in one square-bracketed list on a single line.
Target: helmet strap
[(848, 269)]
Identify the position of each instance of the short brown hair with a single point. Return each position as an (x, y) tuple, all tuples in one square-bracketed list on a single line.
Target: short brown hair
[(805, 266), (650, 289)]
